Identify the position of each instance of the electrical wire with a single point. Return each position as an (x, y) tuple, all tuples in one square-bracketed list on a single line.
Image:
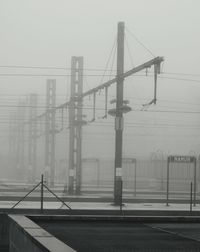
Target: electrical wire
[(184, 74), (129, 53), (112, 63), (108, 60), (51, 68), (100, 98), (90, 69), (49, 75), (140, 42), (96, 75), (179, 79), (132, 65)]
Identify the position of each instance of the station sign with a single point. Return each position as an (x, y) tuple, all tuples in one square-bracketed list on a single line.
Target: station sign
[(181, 159)]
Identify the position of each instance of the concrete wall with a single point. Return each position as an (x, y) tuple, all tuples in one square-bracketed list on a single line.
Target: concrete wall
[(25, 236), (4, 232)]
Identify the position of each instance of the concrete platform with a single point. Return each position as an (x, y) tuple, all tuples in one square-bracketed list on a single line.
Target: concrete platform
[(125, 234), (7, 205), (97, 233)]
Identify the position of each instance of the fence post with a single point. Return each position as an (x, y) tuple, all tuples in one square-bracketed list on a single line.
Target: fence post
[(167, 202), (135, 179), (121, 197), (195, 184), (42, 193), (191, 185)]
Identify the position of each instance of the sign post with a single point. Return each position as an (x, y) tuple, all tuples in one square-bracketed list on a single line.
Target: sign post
[(134, 162), (181, 159)]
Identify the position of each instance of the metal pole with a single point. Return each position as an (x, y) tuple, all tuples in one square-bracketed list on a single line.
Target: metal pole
[(42, 193), (50, 131), (79, 116), (121, 199), (20, 140), (32, 140), (119, 114), (191, 196), (135, 181), (161, 166), (75, 126), (98, 172), (167, 202), (12, 141), (195, 180), (10, 153), (15, 143)]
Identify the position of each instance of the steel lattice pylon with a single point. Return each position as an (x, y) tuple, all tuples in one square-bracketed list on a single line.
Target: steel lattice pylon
[(50, 131), (32, 137), (75, 125)]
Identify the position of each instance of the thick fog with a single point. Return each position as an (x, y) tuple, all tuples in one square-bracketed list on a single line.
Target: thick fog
[(48, 33)]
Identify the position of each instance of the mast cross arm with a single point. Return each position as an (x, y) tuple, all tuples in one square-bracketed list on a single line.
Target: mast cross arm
[(156, 61)]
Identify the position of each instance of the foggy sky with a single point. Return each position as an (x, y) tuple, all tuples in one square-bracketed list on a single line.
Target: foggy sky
[(49, 32)]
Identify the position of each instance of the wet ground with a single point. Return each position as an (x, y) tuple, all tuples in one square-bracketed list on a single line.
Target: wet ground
[(4, 248), (126, 236)]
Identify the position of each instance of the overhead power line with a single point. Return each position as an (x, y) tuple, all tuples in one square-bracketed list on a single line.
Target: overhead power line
[(88, 69), (96, 75), (186, 74), (179, 79), (50, 68), (102, 109), (50, 75), (140, 42), (169, 111)]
